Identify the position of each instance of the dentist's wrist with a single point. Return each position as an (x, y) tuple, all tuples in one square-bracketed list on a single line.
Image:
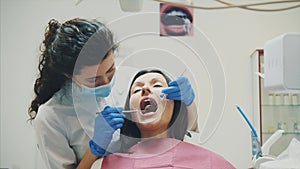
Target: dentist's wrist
[(96, 150)]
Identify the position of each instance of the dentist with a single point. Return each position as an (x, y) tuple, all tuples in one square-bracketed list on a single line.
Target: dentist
[(67, 85)]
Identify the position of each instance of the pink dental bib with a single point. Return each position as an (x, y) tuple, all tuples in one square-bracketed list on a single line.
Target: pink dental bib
[(166, 153)]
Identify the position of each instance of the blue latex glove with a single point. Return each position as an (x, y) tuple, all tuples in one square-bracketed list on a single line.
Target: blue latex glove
[(106, 123), (180, 89)]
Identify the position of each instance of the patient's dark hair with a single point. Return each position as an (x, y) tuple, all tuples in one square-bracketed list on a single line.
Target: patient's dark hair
[(130, 133)]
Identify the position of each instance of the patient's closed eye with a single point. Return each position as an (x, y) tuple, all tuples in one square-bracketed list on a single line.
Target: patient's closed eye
[(158, 85), (137, 90)]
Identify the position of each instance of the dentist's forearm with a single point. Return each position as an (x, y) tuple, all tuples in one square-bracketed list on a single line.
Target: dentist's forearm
[(87, 160)]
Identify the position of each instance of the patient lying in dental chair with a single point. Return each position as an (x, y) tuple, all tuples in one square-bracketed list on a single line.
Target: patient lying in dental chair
[(153, 137)]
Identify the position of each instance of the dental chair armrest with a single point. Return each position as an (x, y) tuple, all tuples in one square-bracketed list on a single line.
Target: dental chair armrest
[(260, 160), (267, 145)]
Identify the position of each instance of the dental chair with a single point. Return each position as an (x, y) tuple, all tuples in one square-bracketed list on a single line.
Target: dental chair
[(288, 159), (265, 150)]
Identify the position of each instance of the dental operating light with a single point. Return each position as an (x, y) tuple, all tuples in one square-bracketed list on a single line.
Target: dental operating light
[(282, 60)]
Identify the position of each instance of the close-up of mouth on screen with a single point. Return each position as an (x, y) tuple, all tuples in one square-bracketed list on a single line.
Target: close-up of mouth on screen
[(175, 20)]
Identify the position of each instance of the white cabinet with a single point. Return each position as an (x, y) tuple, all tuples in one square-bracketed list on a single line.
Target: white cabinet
[(273, 111)]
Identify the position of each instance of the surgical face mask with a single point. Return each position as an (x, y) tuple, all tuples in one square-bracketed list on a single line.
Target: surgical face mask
[(100, 91)]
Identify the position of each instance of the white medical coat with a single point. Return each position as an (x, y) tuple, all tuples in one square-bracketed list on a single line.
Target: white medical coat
[(64, 126)]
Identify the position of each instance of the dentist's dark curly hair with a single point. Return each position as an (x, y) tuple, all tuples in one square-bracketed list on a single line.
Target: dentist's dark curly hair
[(60, 50)]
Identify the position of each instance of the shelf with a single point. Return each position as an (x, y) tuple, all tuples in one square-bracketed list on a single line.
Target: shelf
[(273, 110), (295, 109), (284, 133), (291, 106)]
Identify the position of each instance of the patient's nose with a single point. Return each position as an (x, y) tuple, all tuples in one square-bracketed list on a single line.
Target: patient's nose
[(145, 91)]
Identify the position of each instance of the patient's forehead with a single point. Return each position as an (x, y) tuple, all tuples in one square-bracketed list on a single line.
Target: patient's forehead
[(150, 77)]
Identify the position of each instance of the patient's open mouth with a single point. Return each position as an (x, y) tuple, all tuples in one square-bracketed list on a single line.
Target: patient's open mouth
[(148, 105), (176, 20)]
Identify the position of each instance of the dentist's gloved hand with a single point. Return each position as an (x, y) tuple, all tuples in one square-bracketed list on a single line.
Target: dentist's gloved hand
[(106, 123), (180, 89)]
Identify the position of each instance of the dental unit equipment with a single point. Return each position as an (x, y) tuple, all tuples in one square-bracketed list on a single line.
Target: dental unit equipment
[(247, 120), (256, 147), (272, 139), (281, 58), (260, 153)]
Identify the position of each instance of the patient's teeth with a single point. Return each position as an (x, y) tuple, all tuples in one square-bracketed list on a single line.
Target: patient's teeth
[(147, 107)]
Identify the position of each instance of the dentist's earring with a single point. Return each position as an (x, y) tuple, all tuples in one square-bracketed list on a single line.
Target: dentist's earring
[(68, 76)]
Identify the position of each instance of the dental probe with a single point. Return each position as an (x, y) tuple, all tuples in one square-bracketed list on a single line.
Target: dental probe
[(183, 72), (128, 111), (133, 111)]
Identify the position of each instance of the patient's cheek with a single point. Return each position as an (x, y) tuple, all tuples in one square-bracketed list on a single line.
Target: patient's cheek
[(134, 103)]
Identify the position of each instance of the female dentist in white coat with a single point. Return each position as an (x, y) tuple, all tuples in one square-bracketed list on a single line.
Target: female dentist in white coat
[(66, 86)]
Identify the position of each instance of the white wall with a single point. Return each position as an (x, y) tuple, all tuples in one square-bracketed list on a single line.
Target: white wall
[(235, 33)]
